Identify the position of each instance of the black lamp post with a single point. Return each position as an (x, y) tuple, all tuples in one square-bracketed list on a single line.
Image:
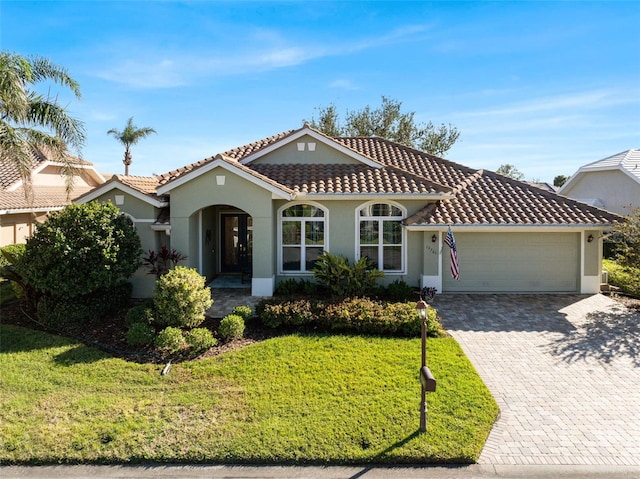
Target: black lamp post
[(422, 308)]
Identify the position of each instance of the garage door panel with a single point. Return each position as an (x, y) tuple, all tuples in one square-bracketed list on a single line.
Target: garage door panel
[(515, 262)]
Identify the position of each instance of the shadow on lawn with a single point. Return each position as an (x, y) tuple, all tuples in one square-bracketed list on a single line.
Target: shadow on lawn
[(603, 336)]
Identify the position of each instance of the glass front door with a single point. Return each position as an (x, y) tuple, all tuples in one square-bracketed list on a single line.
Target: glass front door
[(237, 242)]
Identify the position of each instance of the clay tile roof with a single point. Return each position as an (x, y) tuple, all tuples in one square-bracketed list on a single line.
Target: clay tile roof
[(144, 184), (43, 197)]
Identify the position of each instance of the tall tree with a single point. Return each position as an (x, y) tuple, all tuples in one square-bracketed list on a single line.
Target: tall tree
[(387, 121), (510, 171), (128, 137), (32, 121)]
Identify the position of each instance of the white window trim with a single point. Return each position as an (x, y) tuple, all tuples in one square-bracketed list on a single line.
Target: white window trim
[(403, 251), (325, 210)]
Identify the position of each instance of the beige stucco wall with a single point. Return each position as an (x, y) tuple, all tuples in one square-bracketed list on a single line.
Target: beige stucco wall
[(289, 154), (16, 228), (615, 189)]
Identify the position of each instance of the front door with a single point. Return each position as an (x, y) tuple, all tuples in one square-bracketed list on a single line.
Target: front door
[(237, 242)]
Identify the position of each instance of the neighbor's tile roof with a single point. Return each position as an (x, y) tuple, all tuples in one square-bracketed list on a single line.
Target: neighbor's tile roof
[(479, 197), (43, 197)]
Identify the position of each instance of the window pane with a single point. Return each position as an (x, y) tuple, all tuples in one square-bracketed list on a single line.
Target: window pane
[(312, 255), (392, 257), (380, 209), (368, 232), (392, 232), (314, 232), (370, 252), (300, 211), (313, 212), (291, 232), (291, 259), (293, 212)]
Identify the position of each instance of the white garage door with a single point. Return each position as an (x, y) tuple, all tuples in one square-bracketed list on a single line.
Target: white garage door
[(514, 262)]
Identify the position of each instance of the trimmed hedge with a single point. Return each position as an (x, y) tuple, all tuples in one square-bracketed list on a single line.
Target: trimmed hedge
[(354, 315), (627, 279)]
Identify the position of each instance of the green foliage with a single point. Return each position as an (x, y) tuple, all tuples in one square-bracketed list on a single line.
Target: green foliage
[(170, 340), (63, 312), (200, 339), (140, 334), (341, 279), (387, 121), (10, 255), (32, 121), (398, 290), (79, 250), (559, 180), (231, 327), (351, 315), (244, 311), (627, 279), (292, 286), (627, 239), (142, 313), (181, 298), (129, 136)]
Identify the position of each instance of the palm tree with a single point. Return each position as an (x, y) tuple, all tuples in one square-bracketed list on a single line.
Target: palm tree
[(31, 122), (129, 136)]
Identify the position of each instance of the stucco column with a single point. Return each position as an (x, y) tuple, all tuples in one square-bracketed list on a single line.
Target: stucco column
[(264, 259)]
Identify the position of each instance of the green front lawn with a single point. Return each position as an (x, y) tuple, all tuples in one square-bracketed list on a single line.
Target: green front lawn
[(308, 399)]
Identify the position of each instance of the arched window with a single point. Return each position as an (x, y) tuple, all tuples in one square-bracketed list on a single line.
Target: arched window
[(302, 237), (380, 236)]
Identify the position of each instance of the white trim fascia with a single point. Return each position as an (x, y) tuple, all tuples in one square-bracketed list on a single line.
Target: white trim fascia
[(278, 192), (30, 210), (95, 175), (318, 137), (105, 188), (160, 227), (372, 196), (508, 228)]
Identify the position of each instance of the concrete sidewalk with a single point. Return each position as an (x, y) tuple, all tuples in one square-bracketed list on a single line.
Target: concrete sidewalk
[(475, 471)]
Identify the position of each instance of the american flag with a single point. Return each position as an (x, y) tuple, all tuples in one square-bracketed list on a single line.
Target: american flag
[(453, 254)]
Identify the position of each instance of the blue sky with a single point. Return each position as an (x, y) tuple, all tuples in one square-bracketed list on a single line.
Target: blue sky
[(545, 86)]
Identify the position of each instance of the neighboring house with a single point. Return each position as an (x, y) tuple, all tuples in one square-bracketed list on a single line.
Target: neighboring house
[(544, 186), (273, 206), (19, 214), (612, 183)]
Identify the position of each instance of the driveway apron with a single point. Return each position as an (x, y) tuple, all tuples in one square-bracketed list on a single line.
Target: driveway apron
[(564, 369)]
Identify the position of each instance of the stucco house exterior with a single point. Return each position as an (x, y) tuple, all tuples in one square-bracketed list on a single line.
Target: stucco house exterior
[(612, 183), (19, 214), (272, 206)]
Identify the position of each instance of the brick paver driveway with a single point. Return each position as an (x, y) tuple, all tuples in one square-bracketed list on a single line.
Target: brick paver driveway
[(564, 369)]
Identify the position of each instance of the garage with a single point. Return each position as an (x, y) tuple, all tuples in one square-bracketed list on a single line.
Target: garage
[(514, 263)]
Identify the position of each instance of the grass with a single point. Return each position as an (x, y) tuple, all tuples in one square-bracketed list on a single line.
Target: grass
[(292, 399)]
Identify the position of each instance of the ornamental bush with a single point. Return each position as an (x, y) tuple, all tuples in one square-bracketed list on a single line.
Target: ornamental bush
[(79, 250), (170, 340), (231, 327), (200, 339), (244, 311), (181, 298), (342, 279), (140, 334)]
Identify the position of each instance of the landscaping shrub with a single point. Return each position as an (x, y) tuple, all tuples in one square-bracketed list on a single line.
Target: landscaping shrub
[(245, 312), (162, 261), (353, 315), (10, 256), (231, 327), (200, 339), (140, 334), (170, 340), (292, 286), (181, 298), (627, 279), (64, 312), (79, 250), (397, 291), (142, 313), (341, 279)]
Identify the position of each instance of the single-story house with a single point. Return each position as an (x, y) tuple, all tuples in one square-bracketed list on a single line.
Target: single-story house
[(272, 206), (612, 183), (19, 213)]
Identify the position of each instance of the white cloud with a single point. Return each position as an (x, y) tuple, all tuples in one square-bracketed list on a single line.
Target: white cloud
[(343, 84)]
